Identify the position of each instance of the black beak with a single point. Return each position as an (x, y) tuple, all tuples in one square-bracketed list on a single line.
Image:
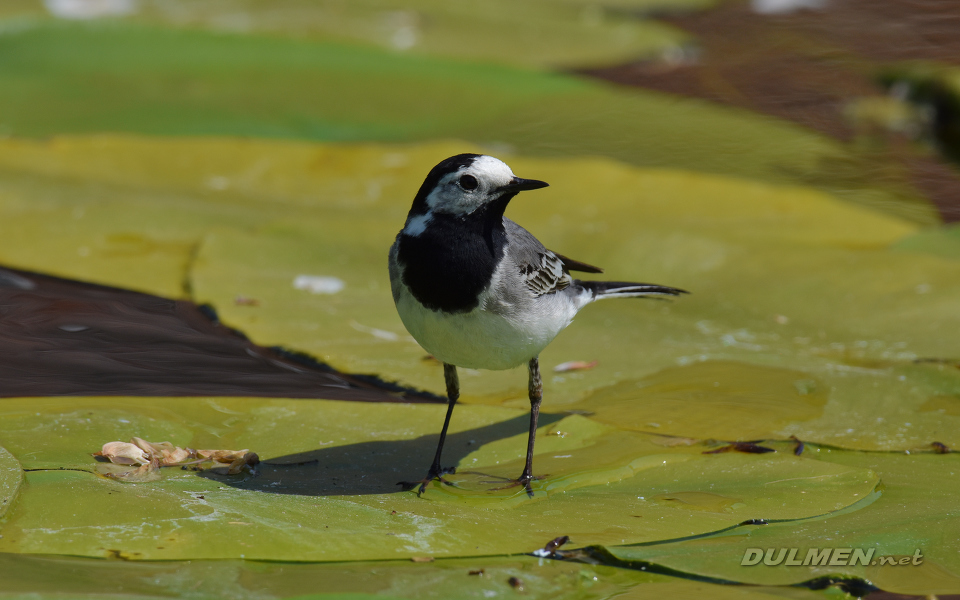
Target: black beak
[(520, 185)]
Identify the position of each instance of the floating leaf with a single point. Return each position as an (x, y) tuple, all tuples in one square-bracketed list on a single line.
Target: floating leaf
[(329, 465), (190, 82), (908, 514), (841, 370), (45, 578), (567, 33), (710, 399)]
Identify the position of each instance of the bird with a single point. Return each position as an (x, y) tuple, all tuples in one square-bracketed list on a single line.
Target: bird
[(478, 291)]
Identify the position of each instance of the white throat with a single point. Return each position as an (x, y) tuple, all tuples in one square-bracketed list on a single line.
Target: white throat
[(417, 224)]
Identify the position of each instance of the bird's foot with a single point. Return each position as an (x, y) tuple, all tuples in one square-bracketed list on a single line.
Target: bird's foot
[(436, 473), (523, 480)]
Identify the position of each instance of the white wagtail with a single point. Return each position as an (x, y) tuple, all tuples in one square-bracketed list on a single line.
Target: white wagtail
[(478, 291)]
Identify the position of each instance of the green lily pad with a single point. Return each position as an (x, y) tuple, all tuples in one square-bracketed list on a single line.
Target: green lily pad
[(885, 406), (537, 33), (11, 477), (45, 578), (330, 465), (915, 511), (749, 401), (943, 241), (785, 281), (71, 78)]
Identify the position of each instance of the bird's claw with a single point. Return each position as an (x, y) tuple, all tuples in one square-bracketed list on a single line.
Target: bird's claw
[(434, 474), (524, 480)]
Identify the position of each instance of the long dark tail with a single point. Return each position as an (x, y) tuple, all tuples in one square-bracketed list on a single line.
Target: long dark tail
[(625, 289)]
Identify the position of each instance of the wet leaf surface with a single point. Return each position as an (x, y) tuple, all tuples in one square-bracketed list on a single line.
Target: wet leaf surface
[(306, 504), (70, 78), (810, 320), (914, 511), (802, 313), (565, 33), (45, 577)]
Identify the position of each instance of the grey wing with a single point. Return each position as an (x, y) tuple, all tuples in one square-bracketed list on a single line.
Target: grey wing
[(541, 270)]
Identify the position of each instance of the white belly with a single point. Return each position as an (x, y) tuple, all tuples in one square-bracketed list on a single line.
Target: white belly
[(486, 338)]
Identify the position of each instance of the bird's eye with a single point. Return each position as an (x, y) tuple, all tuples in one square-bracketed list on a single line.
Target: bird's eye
[(469, 182)]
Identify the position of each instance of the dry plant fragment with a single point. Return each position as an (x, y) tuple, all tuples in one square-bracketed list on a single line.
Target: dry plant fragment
[(673, 441), (150, 456), (555, 543), (575, 365), (123, 453)]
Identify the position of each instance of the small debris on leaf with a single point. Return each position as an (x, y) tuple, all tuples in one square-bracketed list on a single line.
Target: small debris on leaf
[(516, 583), (113, 554), (939, 361), (798, 449), (150, 456), (478, 572), (421, 559), (673, 441), (318, 284), (550, 550), (123, 453), (556, 543), (575, 365), (940, 448), (244, 301), (746, 447)]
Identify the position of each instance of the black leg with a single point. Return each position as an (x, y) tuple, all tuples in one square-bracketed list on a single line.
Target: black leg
[(436, 471), (535, 389), (453, 394)]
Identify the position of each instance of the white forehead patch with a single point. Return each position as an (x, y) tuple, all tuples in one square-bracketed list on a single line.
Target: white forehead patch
[(491, 175), (491, 169)]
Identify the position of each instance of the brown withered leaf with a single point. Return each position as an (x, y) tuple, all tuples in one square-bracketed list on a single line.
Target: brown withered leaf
[(236, 459), (555, 543), (167, 453), (123, 453), (150, 456), (142, 474)]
